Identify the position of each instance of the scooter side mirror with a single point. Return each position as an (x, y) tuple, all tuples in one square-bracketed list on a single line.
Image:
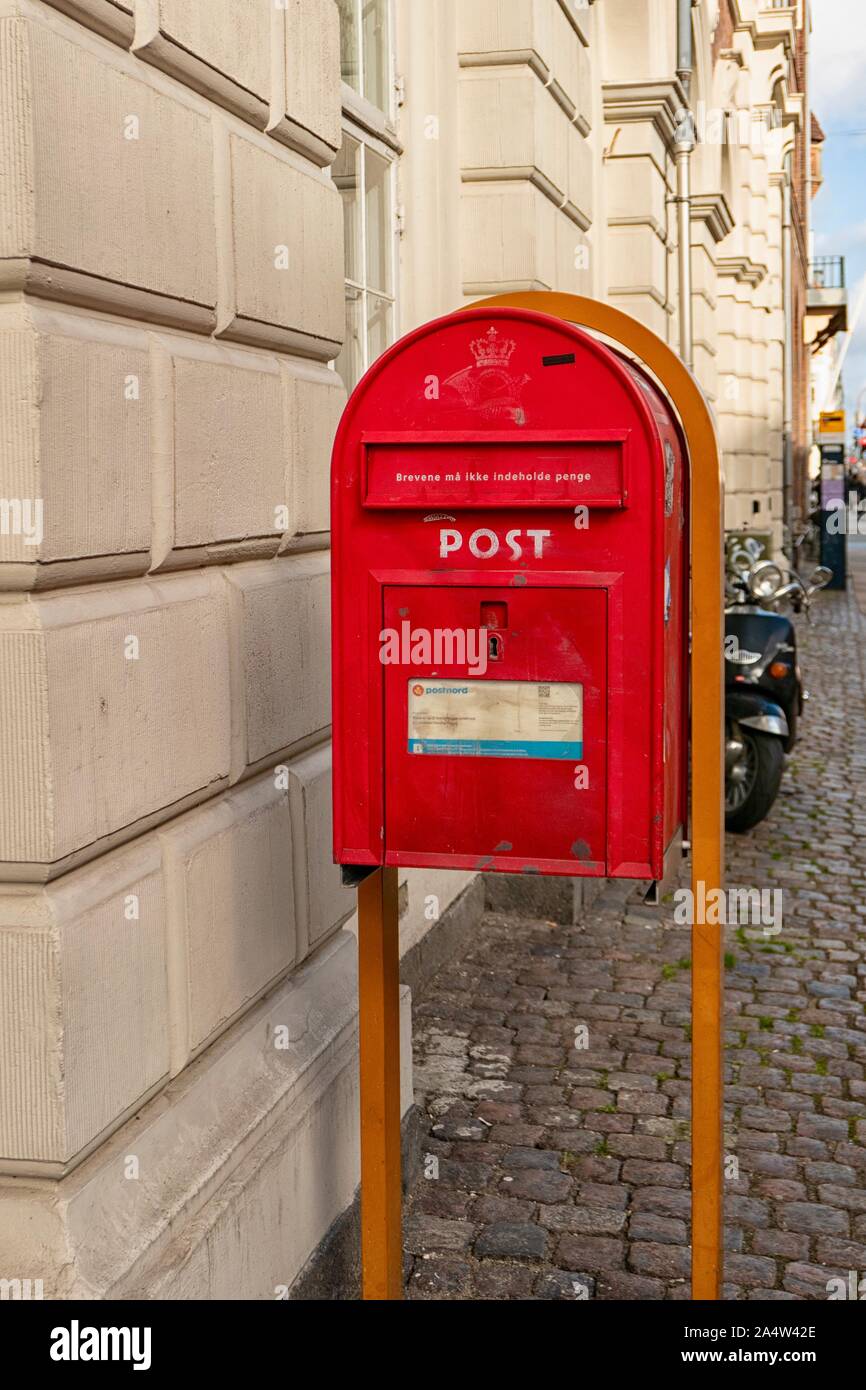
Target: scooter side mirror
[(741, 562), (819, 579)]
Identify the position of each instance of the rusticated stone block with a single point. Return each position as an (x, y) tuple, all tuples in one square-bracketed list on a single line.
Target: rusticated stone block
[(231, 908), (83, 1006)]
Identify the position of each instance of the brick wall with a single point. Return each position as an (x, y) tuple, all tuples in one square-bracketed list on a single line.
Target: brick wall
[(724, 30)]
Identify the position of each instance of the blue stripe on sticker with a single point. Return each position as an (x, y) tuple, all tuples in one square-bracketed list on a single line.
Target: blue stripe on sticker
[(496, 748)]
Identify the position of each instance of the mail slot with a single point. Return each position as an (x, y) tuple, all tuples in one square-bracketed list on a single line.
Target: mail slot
[(508, 471), (510, 605)]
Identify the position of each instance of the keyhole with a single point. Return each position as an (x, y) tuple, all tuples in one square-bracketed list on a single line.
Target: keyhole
[(494, 646)]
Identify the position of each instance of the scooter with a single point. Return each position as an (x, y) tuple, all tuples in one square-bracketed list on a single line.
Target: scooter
[(764, 695)]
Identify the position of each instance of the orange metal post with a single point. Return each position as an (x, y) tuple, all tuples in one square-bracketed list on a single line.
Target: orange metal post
[(379, 1043), (707, 756)]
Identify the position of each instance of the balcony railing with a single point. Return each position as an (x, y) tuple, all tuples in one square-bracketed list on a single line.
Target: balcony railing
[(827, 273)]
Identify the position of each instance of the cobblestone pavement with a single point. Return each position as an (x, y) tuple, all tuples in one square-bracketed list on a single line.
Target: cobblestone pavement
[(560, 1168)]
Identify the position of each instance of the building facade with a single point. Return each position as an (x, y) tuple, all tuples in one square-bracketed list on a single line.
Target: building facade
[(214, 214)]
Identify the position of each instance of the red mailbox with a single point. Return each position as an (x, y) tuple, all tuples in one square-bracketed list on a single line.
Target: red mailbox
[(510, 605)]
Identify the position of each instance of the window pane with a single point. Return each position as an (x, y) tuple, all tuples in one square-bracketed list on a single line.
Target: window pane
[(350, 49), (350, 363), (376, 54), (380, 326), (377, 206), (347, 176)]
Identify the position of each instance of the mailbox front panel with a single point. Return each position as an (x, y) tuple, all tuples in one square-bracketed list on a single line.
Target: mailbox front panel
[(500, 471), (474, 748)]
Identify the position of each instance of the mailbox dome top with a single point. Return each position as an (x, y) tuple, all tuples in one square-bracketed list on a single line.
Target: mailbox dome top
[(503, 369)]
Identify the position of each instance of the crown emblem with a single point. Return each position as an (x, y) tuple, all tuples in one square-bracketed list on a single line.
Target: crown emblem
[(492, 350)]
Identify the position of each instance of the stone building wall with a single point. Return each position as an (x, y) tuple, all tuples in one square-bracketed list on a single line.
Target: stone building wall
[(171, 268)]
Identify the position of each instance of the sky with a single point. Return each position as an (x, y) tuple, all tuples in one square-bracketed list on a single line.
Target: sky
[(838, 98)]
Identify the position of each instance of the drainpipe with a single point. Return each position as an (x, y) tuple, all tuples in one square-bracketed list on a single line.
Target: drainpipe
[(788, 375), (684, 143)]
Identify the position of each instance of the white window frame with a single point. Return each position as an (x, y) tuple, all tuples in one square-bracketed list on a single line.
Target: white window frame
[(355, 104), (375, 130)]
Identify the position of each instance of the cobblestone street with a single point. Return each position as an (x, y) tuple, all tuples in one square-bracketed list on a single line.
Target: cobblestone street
[(561, 1168)]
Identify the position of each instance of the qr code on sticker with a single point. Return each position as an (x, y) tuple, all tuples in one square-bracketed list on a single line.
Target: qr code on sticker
[(544, 692)]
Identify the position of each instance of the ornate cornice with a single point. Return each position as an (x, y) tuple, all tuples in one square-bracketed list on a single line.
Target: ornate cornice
[(741, 269), (713, 210), (657, 102)]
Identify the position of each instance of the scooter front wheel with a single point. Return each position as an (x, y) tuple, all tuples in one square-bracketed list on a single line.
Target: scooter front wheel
[(753, 773)]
